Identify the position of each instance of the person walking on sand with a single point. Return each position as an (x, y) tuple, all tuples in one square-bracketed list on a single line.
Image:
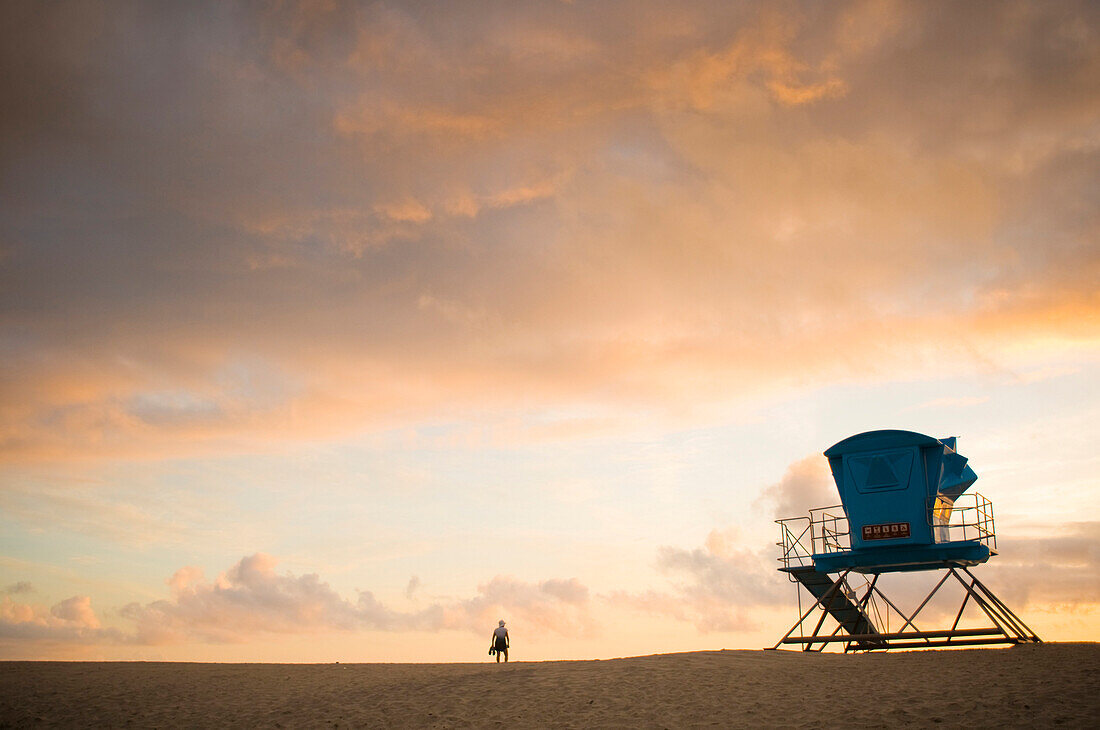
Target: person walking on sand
[(500, 641)]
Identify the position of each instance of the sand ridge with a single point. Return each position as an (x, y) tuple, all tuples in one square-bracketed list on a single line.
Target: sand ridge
[(1036, 686)]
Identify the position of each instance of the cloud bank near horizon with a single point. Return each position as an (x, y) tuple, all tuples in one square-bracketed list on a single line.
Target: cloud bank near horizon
[(251, 600), (720, 587)]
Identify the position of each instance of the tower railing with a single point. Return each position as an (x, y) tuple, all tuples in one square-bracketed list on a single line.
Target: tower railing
[(969, 517), (795, 542), (829, 526), (826, 530)]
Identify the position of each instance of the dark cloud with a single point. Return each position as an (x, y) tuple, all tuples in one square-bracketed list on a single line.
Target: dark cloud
[(17, 588), (1058, 571)]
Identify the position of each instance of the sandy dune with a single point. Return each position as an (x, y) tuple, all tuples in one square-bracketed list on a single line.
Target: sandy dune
[(1026, 686)]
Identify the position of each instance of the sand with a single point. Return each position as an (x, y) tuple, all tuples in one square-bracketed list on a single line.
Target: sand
[(1024, 686)]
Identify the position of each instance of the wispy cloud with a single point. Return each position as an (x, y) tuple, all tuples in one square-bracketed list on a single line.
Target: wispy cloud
[(948, 402), (716, 587)]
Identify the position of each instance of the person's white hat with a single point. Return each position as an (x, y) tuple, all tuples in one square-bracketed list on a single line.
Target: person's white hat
[(502, 622)]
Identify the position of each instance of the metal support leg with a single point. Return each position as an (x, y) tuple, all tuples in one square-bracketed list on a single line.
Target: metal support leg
[(1007, 627), (1022, 630)]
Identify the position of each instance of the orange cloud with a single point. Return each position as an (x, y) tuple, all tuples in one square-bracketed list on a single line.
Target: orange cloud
[(370, 119), (428, 218), (77, 610), (252, 600), (407, 210), (70, 622)]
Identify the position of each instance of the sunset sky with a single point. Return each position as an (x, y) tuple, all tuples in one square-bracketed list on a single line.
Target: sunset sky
[(338, 331)]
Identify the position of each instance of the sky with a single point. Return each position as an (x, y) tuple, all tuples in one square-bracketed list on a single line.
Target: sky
[(339, 331)]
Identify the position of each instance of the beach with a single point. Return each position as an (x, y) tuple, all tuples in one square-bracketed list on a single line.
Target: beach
[(1025, 686)]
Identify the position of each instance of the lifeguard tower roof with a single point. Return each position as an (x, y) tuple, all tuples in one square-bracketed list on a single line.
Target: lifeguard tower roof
[(896, 488)]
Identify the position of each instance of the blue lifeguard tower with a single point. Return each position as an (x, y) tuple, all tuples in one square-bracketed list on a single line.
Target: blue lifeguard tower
[(904, 508)]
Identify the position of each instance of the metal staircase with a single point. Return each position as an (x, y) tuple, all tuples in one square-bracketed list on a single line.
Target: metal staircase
[(835, 597)]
